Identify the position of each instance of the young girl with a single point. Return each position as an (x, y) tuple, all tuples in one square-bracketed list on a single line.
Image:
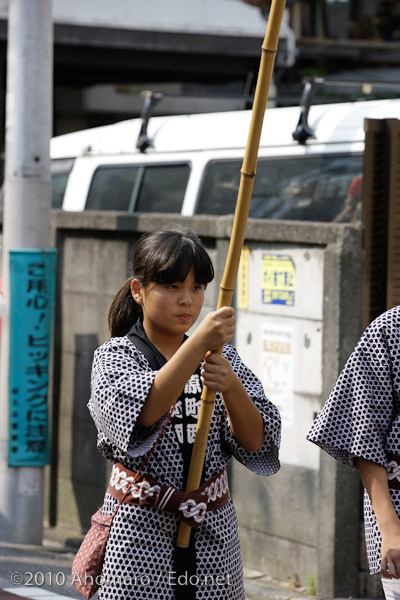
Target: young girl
[(147, 365), (360, 426)]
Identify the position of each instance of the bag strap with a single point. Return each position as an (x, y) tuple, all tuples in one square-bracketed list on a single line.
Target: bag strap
[(146, 459)]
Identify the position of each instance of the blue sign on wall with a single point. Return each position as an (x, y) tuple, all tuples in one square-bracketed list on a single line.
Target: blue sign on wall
[(32, 288)]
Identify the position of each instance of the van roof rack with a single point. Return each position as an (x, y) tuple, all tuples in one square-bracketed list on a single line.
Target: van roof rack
[(150, 100), (303, 131)]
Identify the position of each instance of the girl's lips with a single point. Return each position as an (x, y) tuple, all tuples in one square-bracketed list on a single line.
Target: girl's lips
[(184, 317)]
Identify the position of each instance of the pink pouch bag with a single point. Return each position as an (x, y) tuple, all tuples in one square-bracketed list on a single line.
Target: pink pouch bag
[(88, 562)]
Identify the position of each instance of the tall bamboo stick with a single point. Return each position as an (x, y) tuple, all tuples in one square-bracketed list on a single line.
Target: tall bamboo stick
[(228, 281)]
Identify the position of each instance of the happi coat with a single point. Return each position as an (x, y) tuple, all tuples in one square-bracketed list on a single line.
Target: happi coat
[(361, 416), (139, 560)]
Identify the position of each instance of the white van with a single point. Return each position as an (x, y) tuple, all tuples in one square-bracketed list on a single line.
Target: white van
[(193, 163)]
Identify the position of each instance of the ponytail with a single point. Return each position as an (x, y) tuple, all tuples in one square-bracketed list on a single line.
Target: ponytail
[(124, 311)]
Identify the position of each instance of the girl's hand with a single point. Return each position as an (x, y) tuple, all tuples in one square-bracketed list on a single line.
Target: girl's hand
[(216, 373), (390, 565), (216, 329), (245, 419), (375, 481)]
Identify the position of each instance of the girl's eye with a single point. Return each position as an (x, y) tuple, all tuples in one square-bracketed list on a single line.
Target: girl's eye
[(198, 287)]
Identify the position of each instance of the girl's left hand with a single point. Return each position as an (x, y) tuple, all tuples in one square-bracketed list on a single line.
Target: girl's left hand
[(216, 373), (245, 419)]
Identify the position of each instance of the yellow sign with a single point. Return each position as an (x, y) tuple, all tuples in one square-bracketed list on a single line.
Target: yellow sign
[(278, 279), (243, 279)]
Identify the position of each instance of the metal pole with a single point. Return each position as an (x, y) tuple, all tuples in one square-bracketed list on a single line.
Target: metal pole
[(26, 224)]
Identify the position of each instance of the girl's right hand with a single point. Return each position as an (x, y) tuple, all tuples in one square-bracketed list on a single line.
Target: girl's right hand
[(217, 328)]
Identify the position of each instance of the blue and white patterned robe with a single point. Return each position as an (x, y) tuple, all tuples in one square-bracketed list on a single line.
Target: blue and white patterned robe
[(139, 556), (361, 416)]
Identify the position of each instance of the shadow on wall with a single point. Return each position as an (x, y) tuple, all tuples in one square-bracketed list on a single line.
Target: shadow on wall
[(88, 467)]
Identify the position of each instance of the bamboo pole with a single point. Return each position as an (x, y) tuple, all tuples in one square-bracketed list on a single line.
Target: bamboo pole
[(228, 281)]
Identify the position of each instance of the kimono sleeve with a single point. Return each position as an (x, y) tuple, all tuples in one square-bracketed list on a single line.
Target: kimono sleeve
[(356, 418), (120, 382), (266, 460)]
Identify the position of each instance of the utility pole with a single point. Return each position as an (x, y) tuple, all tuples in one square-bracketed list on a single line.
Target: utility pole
[(26, 225)]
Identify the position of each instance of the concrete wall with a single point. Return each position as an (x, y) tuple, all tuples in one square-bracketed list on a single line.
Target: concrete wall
[(304, 521)]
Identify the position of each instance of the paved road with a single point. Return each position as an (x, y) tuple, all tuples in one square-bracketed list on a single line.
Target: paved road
[(44, 573), (32, 571)]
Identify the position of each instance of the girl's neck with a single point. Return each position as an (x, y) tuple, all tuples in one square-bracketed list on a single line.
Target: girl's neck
[(166, 344)]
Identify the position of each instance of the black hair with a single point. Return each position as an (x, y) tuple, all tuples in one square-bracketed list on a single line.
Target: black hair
[(162, 256)]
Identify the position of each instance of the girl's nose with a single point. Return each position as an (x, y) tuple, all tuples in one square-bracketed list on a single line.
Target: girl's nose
[(186, 297)]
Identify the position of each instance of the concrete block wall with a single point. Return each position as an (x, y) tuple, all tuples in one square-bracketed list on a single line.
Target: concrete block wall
[(306, 519)]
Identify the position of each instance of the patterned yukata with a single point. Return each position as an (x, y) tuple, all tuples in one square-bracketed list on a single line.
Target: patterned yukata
[(361, 416), (139, 561)]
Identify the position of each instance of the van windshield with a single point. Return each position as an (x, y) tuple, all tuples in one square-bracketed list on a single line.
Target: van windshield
[(313, 188), (139, 188)]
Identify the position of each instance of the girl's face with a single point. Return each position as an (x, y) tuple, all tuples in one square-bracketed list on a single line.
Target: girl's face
[(169, 309)]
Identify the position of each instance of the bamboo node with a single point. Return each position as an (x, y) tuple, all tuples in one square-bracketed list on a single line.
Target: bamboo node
[(208, 401), (269, 50), (249, 175)]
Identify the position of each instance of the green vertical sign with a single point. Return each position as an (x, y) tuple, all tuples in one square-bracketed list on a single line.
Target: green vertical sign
[(32, 290)]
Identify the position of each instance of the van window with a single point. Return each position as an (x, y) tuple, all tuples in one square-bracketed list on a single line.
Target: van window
[(143, 188), (60, 170), (163, 189), (312, 188), (111, 188)]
